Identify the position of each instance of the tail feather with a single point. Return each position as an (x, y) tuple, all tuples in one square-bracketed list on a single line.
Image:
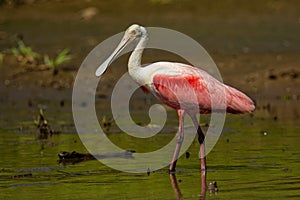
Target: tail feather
[(238, 102)]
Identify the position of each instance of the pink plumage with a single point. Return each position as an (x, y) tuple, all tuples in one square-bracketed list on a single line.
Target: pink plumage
[(192, 81)]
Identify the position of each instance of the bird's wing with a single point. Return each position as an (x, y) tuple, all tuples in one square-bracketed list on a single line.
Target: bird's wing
[(238, 102), (184, 89), (183, 86)]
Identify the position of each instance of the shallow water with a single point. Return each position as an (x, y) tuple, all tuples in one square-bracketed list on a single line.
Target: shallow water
[(255, 157)]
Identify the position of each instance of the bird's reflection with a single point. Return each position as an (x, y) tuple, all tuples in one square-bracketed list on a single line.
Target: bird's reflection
[(175, 186), (177, 191)]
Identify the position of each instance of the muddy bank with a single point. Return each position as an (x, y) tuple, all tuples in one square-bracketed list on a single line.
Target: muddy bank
[(274, 89), (272, 77)]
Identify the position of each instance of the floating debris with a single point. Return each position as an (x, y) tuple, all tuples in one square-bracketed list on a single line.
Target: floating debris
[(22, 176), (64, 155), (264, 133), (187, 155), (75, 157), (286, 169), (213, 187), (106, 123), (42, 124)]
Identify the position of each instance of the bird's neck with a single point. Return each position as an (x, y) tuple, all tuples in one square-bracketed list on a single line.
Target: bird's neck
[(135, 59)]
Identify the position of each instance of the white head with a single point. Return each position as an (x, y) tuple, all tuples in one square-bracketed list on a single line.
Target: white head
[(134, 32)]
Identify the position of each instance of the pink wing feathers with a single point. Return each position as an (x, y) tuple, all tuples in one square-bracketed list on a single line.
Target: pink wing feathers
[(238, 102), (197, 88)]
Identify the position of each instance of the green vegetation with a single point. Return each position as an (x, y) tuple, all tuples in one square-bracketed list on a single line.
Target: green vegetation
[(61, 58), (27, 57), (24, 53)]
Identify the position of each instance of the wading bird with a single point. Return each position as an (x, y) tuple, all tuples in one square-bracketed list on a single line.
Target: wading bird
[(175, 84)]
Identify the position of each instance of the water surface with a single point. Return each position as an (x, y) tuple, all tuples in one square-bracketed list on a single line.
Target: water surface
[(255, 157)]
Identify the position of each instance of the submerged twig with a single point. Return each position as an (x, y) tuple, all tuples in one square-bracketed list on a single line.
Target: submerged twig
[(42, 124), (75, 157)]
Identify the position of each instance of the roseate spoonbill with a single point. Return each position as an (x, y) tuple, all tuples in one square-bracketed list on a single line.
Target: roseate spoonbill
[(171, 82)]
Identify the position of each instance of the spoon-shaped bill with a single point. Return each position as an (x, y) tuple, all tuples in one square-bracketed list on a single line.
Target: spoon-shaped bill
[(101, 69)]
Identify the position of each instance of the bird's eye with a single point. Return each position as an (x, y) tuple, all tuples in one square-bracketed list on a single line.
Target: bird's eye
[(133, 32)]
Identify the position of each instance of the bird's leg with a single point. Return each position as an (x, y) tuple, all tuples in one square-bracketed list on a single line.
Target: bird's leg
[(201, 138), (179, 140)]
